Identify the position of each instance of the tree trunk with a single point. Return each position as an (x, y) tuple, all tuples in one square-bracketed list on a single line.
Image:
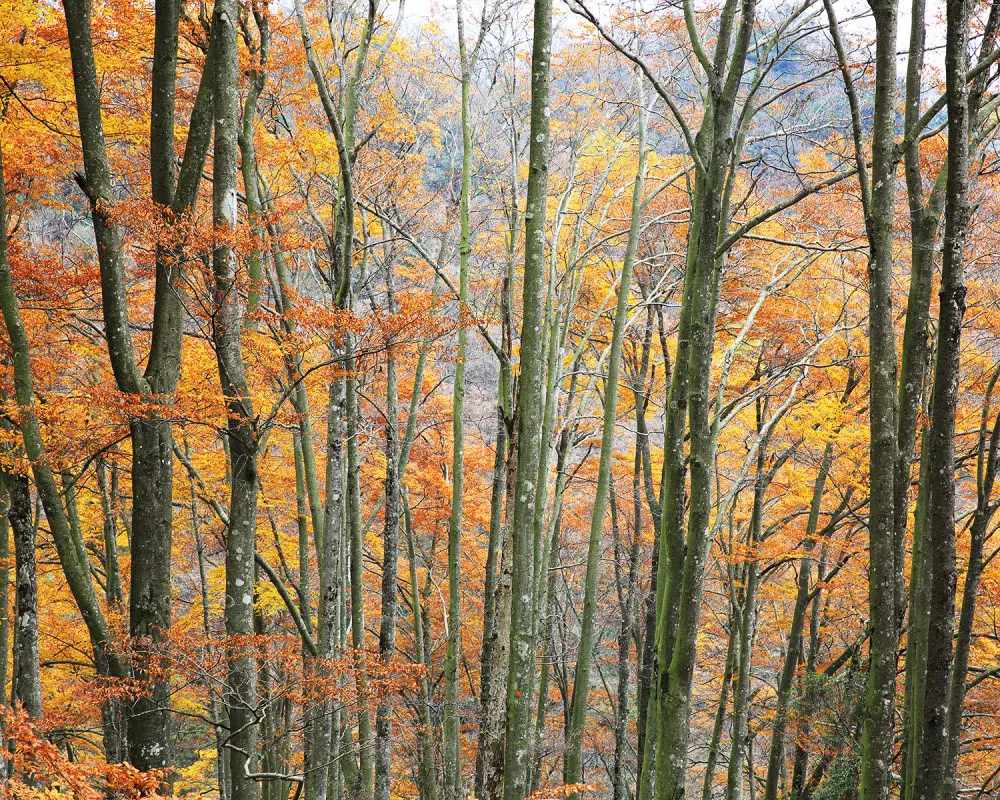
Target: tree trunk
[(878, 198), (747, 624), (241, 685), (390, 560), (452, 767), (427, 768), (679, 604), (529, 410), (152, 466), (545, 615), (71, 552), (793, 651), (4, 602), (988, 463), (944, 400), (493, 729), (496, 590), (722, 710), (26, 684), (625, 631), (573, 771)]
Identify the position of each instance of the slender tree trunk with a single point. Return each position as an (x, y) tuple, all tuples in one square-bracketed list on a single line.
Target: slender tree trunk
[(217, 712), (543, 544), (493, 731), (427, 768), (248, 163), (644, 755), (496, 591), (529, 410), (800, 762), (390, 561), (988, 463), (625, 633), (747, 623), (960, 666), (670, 537), (113, 592), (925, 218), (26, 683), (452, 767), (879, 199), (722, 710), (272, 755), (545, 613), (329, 544), (545, 648), (944, 400), (365, 743), (241, 684), (680, 602), (71, 552), (916, 640), (300, 401), (793, 651), (647, 643), (4, 613), (960, 669), (573, 772)]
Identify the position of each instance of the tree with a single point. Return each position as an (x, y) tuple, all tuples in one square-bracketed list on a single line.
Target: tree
[(174, 193)]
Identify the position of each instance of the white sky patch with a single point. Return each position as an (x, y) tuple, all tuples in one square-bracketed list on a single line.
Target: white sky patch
[(855, 16)]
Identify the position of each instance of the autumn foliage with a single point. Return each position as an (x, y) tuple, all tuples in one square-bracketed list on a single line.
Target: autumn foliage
[(358, 258)]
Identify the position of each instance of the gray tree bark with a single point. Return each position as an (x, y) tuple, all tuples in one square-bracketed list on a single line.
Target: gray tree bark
[(517, 748), (26, 684), (240, 698), (944, 400)]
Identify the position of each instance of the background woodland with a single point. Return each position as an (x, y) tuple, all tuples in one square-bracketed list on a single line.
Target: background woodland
[(505, 400)]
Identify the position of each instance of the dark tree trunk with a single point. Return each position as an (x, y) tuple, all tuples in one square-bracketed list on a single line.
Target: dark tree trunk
[(944, 400), (26, 684)]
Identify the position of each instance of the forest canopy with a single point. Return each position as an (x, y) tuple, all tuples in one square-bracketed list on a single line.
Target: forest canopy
[(499, 399)]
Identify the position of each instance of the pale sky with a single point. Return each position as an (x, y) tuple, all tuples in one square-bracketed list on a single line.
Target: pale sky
[(419, 12)]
